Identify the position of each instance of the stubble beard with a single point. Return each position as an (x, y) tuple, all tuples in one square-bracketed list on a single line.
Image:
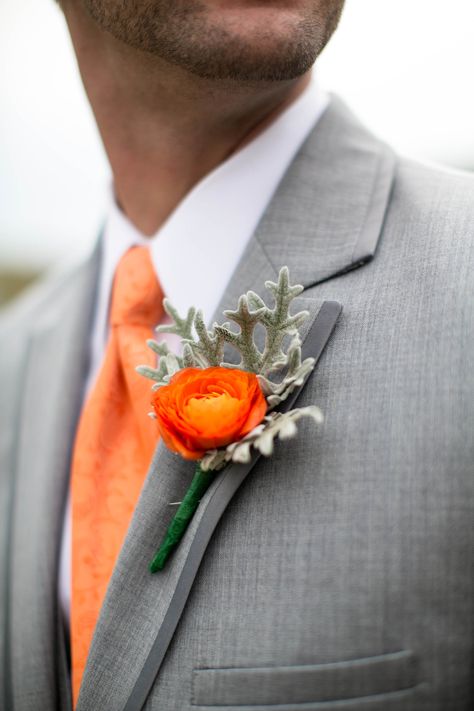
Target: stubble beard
[(180, 32)]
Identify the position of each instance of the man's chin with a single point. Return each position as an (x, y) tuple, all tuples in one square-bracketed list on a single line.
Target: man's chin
[(235, 40), (253, 66), (247, 48)]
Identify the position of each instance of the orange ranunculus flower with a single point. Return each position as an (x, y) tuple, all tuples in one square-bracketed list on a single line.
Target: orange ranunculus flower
[(204, 409)]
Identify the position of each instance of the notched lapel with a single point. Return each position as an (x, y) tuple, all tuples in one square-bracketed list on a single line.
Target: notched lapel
[(212, 507), (327, 214)]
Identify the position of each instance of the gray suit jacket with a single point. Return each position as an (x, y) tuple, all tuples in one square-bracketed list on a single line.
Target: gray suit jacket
[(340, 575)]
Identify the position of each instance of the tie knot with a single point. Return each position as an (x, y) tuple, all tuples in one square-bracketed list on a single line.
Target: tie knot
[(136, 294)]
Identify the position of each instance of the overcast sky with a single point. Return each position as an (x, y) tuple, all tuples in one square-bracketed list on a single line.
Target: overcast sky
[(404, 66)]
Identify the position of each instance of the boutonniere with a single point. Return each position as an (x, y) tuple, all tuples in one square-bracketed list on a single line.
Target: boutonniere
[(215, 412)]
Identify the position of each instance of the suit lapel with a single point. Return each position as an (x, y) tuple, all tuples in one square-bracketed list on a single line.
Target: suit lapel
[(212, 507), (327, 214), (51, 396), (325, 219)]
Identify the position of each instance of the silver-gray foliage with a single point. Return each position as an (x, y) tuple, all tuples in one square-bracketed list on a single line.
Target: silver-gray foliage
[(281, 354), (203, 348)]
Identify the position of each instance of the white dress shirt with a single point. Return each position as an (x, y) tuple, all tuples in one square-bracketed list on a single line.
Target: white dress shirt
[(197, 249)]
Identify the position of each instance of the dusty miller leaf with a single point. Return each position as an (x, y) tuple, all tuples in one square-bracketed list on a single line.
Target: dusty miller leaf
[(182, 327), (206, 348)]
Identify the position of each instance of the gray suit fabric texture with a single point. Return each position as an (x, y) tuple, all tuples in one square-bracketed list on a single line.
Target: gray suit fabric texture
[(340, 576)]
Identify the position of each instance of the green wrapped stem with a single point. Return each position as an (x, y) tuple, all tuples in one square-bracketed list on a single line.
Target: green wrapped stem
[(182, 517)]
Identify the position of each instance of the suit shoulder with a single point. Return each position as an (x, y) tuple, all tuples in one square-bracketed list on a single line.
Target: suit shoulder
[(442, 198), (39, 308), (429, 228), (21, 313)]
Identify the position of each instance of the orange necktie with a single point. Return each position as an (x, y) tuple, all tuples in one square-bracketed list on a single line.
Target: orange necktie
[(114, 445)]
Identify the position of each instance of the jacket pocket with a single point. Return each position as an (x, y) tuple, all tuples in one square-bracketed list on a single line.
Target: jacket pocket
[(312, 683)]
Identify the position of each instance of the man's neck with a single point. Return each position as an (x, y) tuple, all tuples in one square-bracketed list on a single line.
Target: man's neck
[(164, 129)]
